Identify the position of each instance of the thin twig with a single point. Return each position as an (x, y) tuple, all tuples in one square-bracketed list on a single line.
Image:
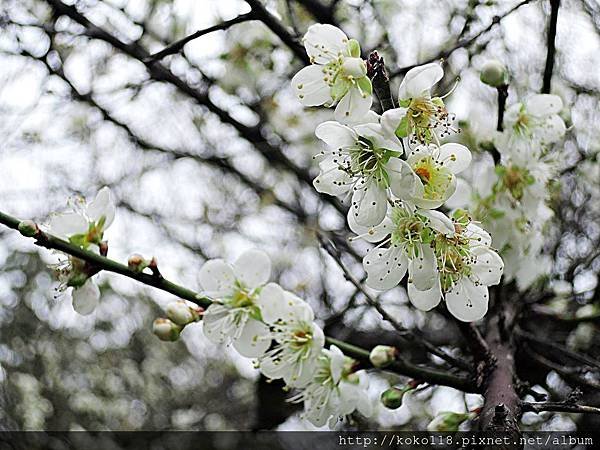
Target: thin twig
[(176, 46), (559, 407), (551, 46)]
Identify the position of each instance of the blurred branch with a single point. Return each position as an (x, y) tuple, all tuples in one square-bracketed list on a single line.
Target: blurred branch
[(551, 46), (321, 12), (462, 42), (100, 262), (559, 407), (175, 47)]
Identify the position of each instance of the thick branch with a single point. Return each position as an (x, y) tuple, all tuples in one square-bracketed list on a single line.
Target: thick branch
[(559, 407), (175, 47), (321, 12), (381, 83), (551, 46), (99, 262)]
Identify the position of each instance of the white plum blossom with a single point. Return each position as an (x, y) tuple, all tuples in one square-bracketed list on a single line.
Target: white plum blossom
[(334, 390), (298, 340), (337, 74), (419, 115), (235, 316), (433, 169), (537, 119), (362, 162), (86, 223)]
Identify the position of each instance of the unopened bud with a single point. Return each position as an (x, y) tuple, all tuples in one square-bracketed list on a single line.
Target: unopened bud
[(355, 67), (494, 73), (382, 356), (166, 330), (137, 262), (28, 228), (448, 421), (392, 397), (183, 313)]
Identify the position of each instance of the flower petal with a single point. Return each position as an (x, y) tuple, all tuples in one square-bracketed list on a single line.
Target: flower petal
[(216, 278), (253, 268), (331, 180), (67, 224), (217, 323), (466, 301), (427, 299), (370, 234), (374, 132), (385, 267), (369, 204), (455, 157), (324, 42), (438, 221), (422, 270), (419, 80), (254, 340), (488, 266), (272, 303), (310, 86), (391, 119), (353, 107), (85, 298), (402, 178), (478, 234), (462, 195), (102, 206), (543, 105), (336, 135)]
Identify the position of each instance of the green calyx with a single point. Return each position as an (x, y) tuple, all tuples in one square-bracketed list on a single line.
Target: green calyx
[(353, 48)]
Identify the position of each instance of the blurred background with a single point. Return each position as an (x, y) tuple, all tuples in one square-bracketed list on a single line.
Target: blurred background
[(225, 164)]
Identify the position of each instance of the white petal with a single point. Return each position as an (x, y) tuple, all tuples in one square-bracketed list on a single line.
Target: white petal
[(385, 267), (419, 80), (543, 104), (402, 178), (102, 206), (353, 107), (253, 268), (438, 221), (478, 235), (274, 369), (466, 301), (298, 310), (370, 234), (391, 119), (331, 180), (552, 130), (422, 270), (462, 195), (67, 225), (310, 86), (272, 303), (336, 135), (324, 42), (455, 157), (488, 266), (425, 300), (216, 323), (216, 278), (254, 340), (85, 298), (369, 204), (336, 361), (374, 132)]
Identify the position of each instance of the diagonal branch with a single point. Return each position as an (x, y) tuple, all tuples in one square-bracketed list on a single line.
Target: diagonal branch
[(99, 262), (176, 46)]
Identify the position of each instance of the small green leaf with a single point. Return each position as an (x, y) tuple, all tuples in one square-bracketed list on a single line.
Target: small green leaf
[(404, 103), (364, 84), (354, 48), (403, 129), (340, 88)]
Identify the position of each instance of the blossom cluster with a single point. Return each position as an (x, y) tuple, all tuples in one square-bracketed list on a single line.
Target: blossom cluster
[(511, 198), (263, 321), (397, 174)]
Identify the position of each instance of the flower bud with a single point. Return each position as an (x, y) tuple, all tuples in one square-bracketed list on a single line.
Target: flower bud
[(166, 330), (355, 67), (494, 73), (182, 313), (392, 397), (137, 262), (382, 356), (28, 228), (448, 421)]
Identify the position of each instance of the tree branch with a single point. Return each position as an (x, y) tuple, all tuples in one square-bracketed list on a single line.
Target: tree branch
[(99, 263), (176, 46), (559, 407), (381, 83), (551, 45)]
